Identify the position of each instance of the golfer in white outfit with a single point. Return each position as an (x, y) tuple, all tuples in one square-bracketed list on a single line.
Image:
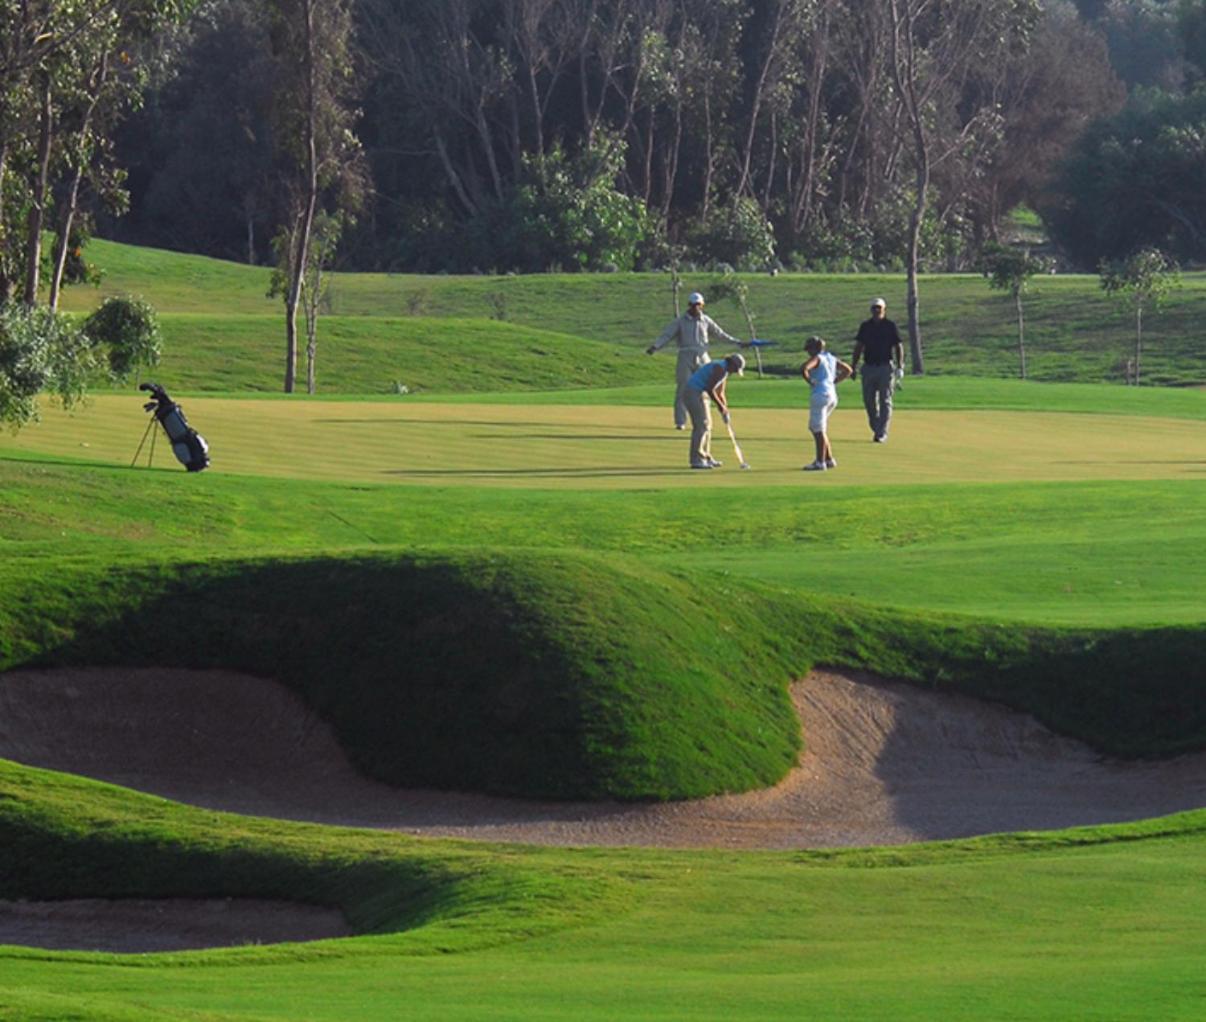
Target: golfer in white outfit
[(823, 372), (691, 333)]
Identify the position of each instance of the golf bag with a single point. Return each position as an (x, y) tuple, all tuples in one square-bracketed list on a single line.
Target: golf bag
[(188, 445)]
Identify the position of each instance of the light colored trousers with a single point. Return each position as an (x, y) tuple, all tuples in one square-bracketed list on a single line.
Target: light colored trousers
[(689, 359), (699, 408), (877, 396)]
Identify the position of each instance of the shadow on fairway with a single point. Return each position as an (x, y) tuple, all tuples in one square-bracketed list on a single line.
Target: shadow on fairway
[(521, 473)]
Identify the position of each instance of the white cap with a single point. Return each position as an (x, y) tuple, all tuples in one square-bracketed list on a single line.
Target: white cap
[(740, 361), (880, 302), (695, 298)]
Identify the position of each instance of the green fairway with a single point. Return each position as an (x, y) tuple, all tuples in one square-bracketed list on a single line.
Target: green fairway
[(601, 446), (508, 581)]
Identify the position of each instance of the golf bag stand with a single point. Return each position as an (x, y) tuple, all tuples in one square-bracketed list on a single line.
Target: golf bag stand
[(188, 445)]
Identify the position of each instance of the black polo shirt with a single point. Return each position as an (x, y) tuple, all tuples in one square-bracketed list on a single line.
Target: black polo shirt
[(878, 338)]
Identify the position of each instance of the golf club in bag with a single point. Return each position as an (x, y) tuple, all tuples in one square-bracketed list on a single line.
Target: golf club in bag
[(188, 445)]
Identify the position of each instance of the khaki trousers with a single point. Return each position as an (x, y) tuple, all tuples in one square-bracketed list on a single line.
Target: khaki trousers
[(698, 407), (689, 359)]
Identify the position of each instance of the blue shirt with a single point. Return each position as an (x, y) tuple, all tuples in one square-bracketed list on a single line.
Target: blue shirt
[(701, 379)]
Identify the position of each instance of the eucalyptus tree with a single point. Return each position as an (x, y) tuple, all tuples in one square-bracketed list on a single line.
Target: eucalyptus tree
[(934, 48), (314, 119), (68, 69)]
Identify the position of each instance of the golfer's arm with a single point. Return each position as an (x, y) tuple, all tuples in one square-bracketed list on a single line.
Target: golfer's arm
[(858, 353), (716, 393), (662, 341), (715, 328), (844, 371)]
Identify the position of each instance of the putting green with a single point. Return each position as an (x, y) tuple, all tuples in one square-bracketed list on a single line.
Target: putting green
[(602, 446)]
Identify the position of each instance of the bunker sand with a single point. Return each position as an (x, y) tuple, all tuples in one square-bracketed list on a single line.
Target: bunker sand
[(886, 763)]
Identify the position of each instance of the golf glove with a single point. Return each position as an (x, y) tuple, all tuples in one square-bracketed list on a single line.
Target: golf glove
[(725, 417), (900, 377)]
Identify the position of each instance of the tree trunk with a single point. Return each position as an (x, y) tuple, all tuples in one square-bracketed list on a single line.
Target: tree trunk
[(1017, 300), (37, 209), (63, 244), (305, 220), (1138, 340), (311, 304)]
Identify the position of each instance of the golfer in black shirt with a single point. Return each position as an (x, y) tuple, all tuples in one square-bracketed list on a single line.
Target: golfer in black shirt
[(879, 345)]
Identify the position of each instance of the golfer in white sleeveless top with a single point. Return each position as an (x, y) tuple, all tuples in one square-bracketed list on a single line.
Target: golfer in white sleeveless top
[(823, 371)]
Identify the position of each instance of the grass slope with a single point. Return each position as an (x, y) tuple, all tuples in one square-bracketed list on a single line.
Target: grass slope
[(1073, 332)]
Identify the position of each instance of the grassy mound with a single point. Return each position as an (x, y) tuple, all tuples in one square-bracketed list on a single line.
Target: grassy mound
[(522, 673), (620, 681)]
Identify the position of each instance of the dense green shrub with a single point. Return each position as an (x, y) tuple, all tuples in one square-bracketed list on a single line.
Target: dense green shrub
[(128, 331), (566, 214), (737, 234)]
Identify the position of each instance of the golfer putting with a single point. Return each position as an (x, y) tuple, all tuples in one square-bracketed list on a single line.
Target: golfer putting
[(690, 333), (704, 386)]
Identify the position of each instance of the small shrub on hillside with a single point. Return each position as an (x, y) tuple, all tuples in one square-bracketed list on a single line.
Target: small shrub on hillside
[(128, 331)]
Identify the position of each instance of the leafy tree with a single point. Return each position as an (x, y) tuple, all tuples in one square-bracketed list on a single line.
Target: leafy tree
[(1048, 96), (199, 152), (67, 70), (1191, 18), (1135, 179), (126, 329), (40, 351), (1010, 269), (1144, 43), (1141, 281), (569, 214), (737, 234)]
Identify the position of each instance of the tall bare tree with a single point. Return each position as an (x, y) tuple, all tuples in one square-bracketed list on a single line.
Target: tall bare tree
[(934, 46), (314, 119)]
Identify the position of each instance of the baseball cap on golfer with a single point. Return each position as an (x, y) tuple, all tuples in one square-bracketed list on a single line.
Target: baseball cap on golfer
[(738, 361), (878, 303), (695, 298)]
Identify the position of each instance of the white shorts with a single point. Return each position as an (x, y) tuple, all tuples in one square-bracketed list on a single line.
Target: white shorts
[(820, 404)]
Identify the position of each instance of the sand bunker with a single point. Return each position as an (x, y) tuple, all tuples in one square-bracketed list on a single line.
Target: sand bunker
[(166, 924), (886, 763)]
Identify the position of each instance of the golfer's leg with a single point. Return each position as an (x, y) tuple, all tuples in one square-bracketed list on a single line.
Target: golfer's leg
[(868, 381), (698, 411), (885, 401), (682, 370)]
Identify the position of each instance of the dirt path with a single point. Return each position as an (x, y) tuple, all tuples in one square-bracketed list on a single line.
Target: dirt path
[(886, 763)]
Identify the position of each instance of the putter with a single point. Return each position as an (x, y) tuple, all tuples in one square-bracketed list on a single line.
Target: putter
[(736, 446)]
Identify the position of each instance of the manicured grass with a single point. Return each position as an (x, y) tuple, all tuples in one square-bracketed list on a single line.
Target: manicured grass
[(1105, 919), (1037, 545)]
